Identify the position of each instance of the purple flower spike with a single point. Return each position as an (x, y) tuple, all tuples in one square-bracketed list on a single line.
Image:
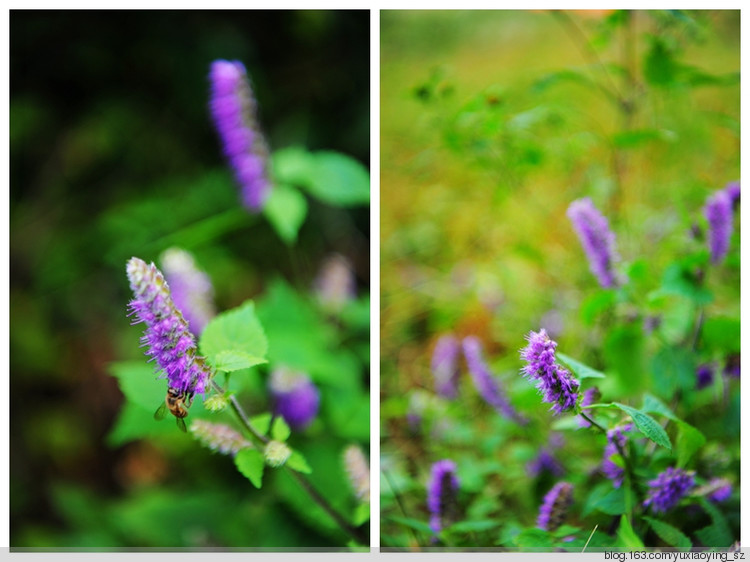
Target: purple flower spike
[(442, 494), (704, 375), (295, 397), (615, 437), (597, 240), (233, 110), (192, 291), (557, 385), (485, 383), (545, 461), (554, 507), (167, 337), (733, 190), (721, 490), (668, 489), (445, 366), (718, 211)]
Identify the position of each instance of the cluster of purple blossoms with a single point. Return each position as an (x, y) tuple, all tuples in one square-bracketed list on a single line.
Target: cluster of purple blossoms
[(545, 461), (597, 240), (704, 375), (234, 111), (445, 367), (668, 488), (718, 212), (557, 385), (192, 291), (167, 338), (295, 397), (485, 383), (555, 506), (720, 490), (616, 440), (442, 494)]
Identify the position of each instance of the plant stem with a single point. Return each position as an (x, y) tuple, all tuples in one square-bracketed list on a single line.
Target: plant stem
[(356, 534), (616, 443)]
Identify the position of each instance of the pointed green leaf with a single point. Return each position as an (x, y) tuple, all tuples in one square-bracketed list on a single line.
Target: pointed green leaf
[(280, 431), (338, 179), (670, 535), (647, 425), (235, 339), (261, 423), (286, 209), (689, 440), (297, 462), (250, 463), (579, 369), (628, 537), (652, 405)]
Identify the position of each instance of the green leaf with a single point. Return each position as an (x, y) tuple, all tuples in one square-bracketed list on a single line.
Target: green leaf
[(292, 165), (672, 369), (670, 535), (647, 425), (627, 535), (474, 526), (595, 304), (361, 514), (261, 423), (721, 334), (607, 500), (716, 535), (139, 383), (415, 524), (651, 404), (679, 279), (250, 463), (297, 462), (534, 538), (339, 180), (689, 440), (579, 369), (235, 339), (286, 209), (280, 430)]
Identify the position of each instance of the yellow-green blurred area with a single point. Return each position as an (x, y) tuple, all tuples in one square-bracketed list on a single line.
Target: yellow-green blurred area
[(492, 123), (113, 155)]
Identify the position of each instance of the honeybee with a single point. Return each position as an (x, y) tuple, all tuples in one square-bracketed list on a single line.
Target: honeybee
[(177, 403)]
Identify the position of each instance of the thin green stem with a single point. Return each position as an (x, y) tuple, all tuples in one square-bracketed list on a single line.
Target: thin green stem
[(356, 534)]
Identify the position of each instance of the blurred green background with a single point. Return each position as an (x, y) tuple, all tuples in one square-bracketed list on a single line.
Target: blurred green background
[(113, 155), (492, 122)]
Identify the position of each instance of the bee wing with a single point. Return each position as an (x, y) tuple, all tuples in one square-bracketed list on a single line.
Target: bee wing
[(181, 424), (161, 411)]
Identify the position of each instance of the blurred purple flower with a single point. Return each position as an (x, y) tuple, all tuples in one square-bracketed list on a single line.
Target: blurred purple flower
[(555, 506), (721, 490), (545, 461), (233, 109), (335, 284), (557, 385), (597, 240), (442, 494), (718, 211), (733, 190), (486, 384), (668, 488), (192, 292), (445, 367), (295, 397), (651, 323), (704, 375), (167, 337), (732, 366), (615, 437)]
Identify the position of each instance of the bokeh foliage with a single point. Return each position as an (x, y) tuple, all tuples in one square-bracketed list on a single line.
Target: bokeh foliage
[(492, 123), (113, 155)]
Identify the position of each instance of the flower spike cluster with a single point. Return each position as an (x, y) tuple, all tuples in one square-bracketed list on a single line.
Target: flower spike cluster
[(295, 397), (486, 384), (192, 291), (556, 383), (616, 440), (219, 437), (445, 366), (442, 494), (597, 240), (668, 488), (718, 211), (555, 506), (234, 111), (358, 471), (167, 338)]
